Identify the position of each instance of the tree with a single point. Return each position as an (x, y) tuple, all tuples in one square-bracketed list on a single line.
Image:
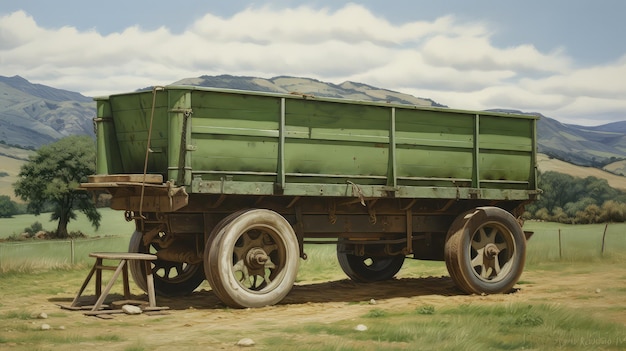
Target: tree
[(8, 208), (51, 177)]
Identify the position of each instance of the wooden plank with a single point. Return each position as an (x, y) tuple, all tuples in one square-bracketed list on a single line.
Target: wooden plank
[(135, 178)]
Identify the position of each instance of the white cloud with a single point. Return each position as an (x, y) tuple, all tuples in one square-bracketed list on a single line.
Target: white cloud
[(453, 62), (602, 81)]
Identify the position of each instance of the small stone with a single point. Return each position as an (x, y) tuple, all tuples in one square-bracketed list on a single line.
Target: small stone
[(372, 302), (41, 315), (245, 342), (45, 327), (61, 327), (360, 327), (130, 309), (598, 291)]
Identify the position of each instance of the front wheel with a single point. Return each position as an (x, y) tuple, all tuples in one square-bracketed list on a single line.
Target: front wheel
[(485, 251), (251, 259)]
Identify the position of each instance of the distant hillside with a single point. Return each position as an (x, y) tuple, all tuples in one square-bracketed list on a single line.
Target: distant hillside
[(585, 146), (546, 163), (32, 115), (11, 159), (618, 167)]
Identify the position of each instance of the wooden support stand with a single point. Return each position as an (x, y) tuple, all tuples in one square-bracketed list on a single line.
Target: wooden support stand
[(122, 267)]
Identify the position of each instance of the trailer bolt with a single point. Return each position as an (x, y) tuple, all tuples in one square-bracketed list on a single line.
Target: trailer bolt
[(491, 251), (256, 258)]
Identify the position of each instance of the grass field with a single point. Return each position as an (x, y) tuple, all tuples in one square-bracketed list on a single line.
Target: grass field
[(112, 223), (557, 307), (581, 243), (35, 255)]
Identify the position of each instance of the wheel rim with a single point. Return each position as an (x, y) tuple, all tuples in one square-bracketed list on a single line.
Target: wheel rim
[(370, 267), (377, 264), (491, 252), (170, 278), (258, 258), (171, 272)]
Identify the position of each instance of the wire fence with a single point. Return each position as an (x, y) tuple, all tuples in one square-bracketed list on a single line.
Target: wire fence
[(550, 243), (29, 255), (577, 243)]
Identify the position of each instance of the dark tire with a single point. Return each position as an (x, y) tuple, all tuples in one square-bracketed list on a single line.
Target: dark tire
[(170, 278), (251, 259), (209, 244), (485, 251), (368, 268)]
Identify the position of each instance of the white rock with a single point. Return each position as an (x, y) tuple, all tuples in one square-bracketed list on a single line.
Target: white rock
[(45, 326), (245, 342), (598, 291), (130, 309), (360, 327), (372, 302), (40, 315)]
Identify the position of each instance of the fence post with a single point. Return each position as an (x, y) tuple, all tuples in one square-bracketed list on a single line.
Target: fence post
[(560, 252), (604, 238), (72, 251)]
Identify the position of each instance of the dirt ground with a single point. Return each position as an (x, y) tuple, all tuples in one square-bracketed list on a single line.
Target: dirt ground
[(202, 319)]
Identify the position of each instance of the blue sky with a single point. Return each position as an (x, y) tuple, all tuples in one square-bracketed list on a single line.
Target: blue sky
[(565, 59)]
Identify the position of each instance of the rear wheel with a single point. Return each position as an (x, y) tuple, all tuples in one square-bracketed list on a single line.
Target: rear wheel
[(170, 278), (368, 268), (485, 251), (251, 259)]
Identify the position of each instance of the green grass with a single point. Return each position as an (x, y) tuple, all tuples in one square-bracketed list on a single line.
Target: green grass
[(465, 327), (112, 223), (32, 255), (482, 325), (578, 242), (321, 264)]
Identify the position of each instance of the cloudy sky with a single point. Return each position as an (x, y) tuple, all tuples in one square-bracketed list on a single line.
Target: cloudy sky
[(563, 58)]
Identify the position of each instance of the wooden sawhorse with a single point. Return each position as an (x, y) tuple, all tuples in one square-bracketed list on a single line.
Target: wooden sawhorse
[(122, 267)]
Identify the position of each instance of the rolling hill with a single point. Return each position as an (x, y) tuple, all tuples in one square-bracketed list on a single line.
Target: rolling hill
[(32, 115)]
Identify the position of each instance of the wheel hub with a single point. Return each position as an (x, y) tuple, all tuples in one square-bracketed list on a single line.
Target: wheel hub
[(256, 258), (491, 251)]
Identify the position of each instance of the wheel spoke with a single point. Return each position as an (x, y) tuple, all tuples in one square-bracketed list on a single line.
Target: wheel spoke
[(486, 272), (502, 246), (478, 261), (496, 265), (484, 238), (269, 269), (241, 268), (477, 245)]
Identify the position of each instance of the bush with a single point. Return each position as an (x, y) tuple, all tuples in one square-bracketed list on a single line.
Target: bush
[(426, 309), (8, 208), (33, 229)]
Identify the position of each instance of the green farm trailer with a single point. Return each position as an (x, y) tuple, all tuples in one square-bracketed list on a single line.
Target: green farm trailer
[(228, 186)]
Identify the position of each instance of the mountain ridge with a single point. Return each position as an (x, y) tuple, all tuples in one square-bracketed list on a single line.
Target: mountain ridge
[(32, 115)]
